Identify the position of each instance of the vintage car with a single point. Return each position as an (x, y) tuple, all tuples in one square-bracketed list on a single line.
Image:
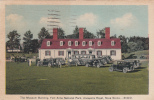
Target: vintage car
[(107, 58), (97, 62), (144, 57), (136, 63), (80, 59), (122, 65), (51, 62)]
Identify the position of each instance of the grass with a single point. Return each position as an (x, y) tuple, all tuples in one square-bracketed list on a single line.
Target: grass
[(21, 79)]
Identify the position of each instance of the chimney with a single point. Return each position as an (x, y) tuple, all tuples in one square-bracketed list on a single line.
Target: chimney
[(81, 33), (55, 33), (107, 33)]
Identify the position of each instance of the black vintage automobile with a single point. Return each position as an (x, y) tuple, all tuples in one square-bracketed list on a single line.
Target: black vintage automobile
[(51, 62), (80, 59), (97, 62), (108, 59), (122, 65)]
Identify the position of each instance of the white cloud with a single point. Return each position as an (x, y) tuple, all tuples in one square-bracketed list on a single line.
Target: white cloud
[(126, 21), (87, 19), (15, 22), (44, 21)]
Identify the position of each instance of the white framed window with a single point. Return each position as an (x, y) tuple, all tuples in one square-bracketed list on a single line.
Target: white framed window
[(83, 52), (113, 52), (90, 43), (83, 43), (48, 43), (76, 43), (61, 53), (61, 43), (76, 52), (99, 43), (69, 43), (47, 53), (112, 43)]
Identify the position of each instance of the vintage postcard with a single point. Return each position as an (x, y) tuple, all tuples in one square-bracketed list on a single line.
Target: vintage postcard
[(76, 50)]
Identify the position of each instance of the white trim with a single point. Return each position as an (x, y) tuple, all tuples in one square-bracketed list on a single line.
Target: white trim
[(69, 43), (90, 43), (83, 43), (48, 43), (61, 43), (112, 43), (76, 43), (99, 43)]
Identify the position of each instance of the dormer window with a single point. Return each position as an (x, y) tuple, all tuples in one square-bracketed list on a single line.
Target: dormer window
[(83, 43), (90, 43), (48, 43), (69, 43), (99, 43), (112, 43), (76, 43), (61, 43)]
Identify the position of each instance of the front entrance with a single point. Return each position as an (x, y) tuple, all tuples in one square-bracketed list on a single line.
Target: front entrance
[(69, 54)]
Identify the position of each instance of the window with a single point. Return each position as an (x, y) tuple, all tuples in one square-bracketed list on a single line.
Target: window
[(99, 43), (61, 53), (61, 43), (99, 53), (47, 53), (90, 52), (113, 43), (90, 43), (48, 43), (76, 52), (83, 52), (69, 43), (113, 53), (83, 43), (76, 43)]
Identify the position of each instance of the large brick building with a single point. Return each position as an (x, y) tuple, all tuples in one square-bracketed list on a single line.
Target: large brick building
[(65, 48)]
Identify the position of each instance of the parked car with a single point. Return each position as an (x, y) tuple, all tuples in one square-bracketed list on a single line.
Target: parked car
[(52, 62), (97, 62), (136, 63), (80, 59), (122, 65), (107, 58), (144, 57), (132, 56)]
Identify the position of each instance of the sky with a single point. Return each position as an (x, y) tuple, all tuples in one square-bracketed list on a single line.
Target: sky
[(128, 20)]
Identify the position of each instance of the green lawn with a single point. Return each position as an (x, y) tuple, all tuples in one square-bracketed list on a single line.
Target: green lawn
[(21, 79)]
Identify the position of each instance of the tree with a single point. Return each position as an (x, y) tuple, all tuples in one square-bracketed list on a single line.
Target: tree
[(14, 40), (42, 35), (34, 45), (101, 33), (75, 34), (61, 33), (88, 34), (27, 41)]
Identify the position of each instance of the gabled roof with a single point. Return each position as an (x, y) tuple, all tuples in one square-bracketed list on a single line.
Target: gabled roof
[(106, 44)]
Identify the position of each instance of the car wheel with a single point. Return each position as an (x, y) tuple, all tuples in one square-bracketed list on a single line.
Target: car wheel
[(125, 70), (111, 69), (98, 66), (49, 64), (87, 65)]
